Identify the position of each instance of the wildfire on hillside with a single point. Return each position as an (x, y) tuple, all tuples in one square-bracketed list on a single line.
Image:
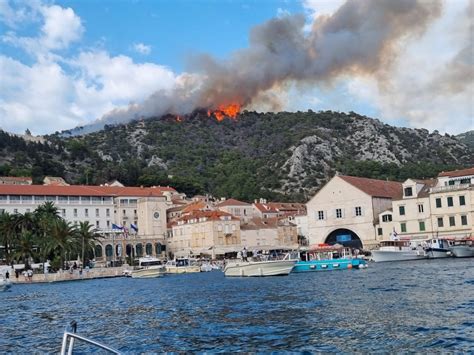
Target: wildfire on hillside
[(222, 111)]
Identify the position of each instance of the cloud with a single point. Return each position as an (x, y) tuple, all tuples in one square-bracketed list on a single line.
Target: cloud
[(142, 48)]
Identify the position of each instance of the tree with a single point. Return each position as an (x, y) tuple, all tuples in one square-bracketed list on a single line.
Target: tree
[(60, 240), (86, 236), (7, 234)]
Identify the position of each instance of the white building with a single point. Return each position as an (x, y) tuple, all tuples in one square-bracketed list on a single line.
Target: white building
[(346, 210)]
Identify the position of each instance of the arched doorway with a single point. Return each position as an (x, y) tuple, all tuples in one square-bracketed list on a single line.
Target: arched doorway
[(129, 250), (98, 251), (149, 249), (344, 237), (139, 249), (109, 251)]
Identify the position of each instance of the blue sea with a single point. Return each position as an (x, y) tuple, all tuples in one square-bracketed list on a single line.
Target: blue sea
[(423, 306)]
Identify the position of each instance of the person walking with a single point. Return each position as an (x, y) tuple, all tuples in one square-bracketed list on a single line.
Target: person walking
[(244, 254), (7, 275)]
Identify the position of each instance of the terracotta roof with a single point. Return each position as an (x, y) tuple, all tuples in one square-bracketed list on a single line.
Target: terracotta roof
[(265, 208), (210, 215), (80, 190), (457, 173), (232, 202), (375, 188), (260, 223), (194, 206)]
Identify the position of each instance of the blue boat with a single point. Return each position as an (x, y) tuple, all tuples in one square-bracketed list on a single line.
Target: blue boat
[(325, 257)]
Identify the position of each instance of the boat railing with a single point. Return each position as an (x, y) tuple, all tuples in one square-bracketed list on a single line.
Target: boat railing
[(70, 336)]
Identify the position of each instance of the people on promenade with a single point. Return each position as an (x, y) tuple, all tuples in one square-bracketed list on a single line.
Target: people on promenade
[(7, 275), (244, 254), (239, 255), (30, 275)]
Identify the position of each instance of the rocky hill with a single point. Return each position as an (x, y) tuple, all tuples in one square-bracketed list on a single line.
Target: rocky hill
[(275, 155)]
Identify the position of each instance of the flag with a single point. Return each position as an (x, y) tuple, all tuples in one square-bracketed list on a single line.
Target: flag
[(114, 226), (394, 234), (125, 232), (134, 227)]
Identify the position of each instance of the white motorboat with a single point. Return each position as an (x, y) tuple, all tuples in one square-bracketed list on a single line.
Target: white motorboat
[(182, 266), (206, 267), (260, 268), (149, 267), (463, 248), (438, 248), (398, 250), (5, 284)]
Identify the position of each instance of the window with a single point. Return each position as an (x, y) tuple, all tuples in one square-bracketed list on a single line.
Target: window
[(440, 222), (452, 221), (86, 212), (97, 224), (408, 191), (108, 224), (358, 211), (450, 202), (464, 220), (422, 226), (387, 218), (135, 212), (124, 212), (403, 227), (75, 212), (63, 212), (320, 215), (438, 203), (338, 213), (379, 231), (107, 212), (465, 181), (420, 208), (401, 210), (97, 212), (462, 201)]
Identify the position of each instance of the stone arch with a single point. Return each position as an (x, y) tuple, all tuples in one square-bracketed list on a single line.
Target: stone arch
[(98, 251), (129, 250), (109, 251), (345, 237), (139, 249), (149, 249)]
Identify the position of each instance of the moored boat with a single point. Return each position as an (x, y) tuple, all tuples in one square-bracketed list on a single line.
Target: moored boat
[(438, 248), (5, 284), (182, 266), (324, 257), (255, 267), (463, 248), (149, 267), (398, 250)]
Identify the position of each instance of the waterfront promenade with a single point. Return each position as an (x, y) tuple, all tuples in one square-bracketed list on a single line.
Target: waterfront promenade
[(86, 274)]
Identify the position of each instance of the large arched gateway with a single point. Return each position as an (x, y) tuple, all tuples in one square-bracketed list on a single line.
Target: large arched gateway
[(345, 237)]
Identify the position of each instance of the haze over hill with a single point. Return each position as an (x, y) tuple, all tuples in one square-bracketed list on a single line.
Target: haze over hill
[(276, 155)]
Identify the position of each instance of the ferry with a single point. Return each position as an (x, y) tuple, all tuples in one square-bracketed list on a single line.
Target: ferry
[(324, 257), (149, 266)]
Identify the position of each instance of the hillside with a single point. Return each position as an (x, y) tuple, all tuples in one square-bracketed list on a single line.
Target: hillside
[(275, 155)]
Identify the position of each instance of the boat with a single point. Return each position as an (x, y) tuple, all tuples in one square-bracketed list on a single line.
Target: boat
[(438, 248), (325, 257), (398, 250), (257, 267), (463, 248), (5, 284), (182, 266), (148, 267)]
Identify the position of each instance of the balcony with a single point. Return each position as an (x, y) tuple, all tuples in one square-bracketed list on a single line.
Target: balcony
[(450, 188)]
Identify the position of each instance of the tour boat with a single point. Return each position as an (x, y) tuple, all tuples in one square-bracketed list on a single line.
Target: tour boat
[(438, 248), (325, 257), (398, 250), (257, 267), (149, 267), (463, 248), (182, 266)]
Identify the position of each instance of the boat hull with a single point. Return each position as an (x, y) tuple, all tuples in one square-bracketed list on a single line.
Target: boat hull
[(328, 265), (436, 253), (5, 285), (148, 273), (388, 255), (182, 269), (462, 251), (259, 268)]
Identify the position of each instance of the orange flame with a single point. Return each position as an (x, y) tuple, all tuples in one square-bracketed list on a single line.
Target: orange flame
[(222, 111), (178, 118)]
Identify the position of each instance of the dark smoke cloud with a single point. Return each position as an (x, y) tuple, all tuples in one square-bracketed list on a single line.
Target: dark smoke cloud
[(361, 37)]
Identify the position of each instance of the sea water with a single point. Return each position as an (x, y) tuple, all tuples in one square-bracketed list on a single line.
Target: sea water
[(424, 306)]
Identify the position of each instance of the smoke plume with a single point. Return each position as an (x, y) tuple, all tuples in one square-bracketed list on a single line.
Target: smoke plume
[(360, 38)]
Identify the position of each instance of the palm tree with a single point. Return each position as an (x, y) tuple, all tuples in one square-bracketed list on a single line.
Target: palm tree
[(45, 214), (7, 234), (25, 245), (60, 240), (86, 234)]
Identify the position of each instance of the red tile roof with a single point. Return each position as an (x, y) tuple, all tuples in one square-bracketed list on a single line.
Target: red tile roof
[(265, 208), (82, 190), (375, 188), (457, 173), (210, 215), (232, 202), (194, 206)]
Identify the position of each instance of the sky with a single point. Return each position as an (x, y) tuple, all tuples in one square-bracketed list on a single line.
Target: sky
[(69, 63)]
